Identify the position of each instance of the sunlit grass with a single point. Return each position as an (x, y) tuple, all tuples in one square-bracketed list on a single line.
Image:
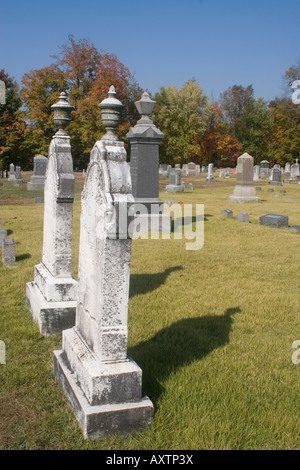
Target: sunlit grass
[(211, 329)]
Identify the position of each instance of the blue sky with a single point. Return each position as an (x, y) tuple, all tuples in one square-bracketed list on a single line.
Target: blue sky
[(220, 43)]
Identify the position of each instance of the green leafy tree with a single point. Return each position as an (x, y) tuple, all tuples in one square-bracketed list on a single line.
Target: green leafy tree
[(248, 119), (181, 114)]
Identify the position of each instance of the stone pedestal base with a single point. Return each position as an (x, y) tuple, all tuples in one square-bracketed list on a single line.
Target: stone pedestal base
[(244, 194), (52, 301), (37, 183), (105, 397), (175, 188)]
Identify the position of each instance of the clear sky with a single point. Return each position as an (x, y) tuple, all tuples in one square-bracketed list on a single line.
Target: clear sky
[(220, 43)]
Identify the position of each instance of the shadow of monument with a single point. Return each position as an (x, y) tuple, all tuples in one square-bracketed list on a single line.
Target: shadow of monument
[(183, 342), (143, 283), (184, 220), (23, 256)]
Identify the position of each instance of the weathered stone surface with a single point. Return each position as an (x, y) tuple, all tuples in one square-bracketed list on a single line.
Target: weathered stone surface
[(227, 213), (243, 217), (52, 297), (295, 228), (39, 170), (274, 220), (8, 251), (103, 384)]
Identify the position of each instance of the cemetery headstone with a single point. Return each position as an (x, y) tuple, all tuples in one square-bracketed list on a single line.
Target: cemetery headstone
[(243, 217), (256, 171), (18, 175), (102, 383), (210, 174), (12, 176), (276, 177), (192, 168), (52, 296), (227, 213), (274, 220), (37, 181), (244, 190), (175, 185), (144, 140), (295, 228), (264, 169), (8, 251)]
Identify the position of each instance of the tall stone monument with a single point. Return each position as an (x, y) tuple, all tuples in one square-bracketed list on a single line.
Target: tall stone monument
[(12, 175), (52, 296), (37, 180), (210, 174), (144, 140), (244, 190), (102, 383)]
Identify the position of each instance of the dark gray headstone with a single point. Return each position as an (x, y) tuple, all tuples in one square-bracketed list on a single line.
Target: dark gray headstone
[(274, 220)]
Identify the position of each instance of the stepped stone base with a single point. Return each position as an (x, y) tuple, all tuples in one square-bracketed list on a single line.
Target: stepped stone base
[(105, 397)]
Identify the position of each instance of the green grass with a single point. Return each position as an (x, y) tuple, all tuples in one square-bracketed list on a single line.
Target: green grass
[(211, 329)]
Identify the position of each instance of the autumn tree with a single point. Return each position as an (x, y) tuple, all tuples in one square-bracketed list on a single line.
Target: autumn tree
[(14, 131), (181, 114), (86, 75), (216, 144)]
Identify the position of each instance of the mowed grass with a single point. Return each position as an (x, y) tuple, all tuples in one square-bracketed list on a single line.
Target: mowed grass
[(212, 330)]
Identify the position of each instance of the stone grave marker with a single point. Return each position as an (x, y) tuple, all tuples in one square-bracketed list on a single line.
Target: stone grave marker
[(102, 383), (52, 296), (37, 181), (8, 251), (244, 190), (274, 220)]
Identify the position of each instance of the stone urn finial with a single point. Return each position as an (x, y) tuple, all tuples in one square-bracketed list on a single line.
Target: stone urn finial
[(111, 109), (62, 113), (145, 106)]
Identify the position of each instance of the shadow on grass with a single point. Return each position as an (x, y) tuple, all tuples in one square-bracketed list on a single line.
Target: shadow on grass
[(143, 283), (24, 256), (183, 221), (183, 342)]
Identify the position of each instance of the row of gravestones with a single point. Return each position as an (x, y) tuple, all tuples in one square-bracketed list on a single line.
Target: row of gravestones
[(102, 383), (37, 179)]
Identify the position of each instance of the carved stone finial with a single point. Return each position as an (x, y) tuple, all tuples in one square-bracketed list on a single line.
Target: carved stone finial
[(145, 106), (111, 109), (62, 113)]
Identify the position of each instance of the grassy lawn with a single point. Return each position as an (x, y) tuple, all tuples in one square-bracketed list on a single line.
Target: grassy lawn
[(211, 329)]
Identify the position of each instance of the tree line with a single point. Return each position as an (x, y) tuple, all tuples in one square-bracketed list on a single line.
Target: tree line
[(195, 128)]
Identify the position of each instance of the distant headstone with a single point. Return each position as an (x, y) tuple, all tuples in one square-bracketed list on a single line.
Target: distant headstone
[(37, 181), (256, 171), (191, 187), (3, 235), (295, 228), (227, 213), (192, 168), (264, 169), (243, 217), (221, 173), (175, 185), (244, 190), (294, 172), (270, 190), (276, 176), (210, 173), (258, 188), (282, 191), (38, 200), (18, 175), (274, 220), (8, 251), (12, 176)]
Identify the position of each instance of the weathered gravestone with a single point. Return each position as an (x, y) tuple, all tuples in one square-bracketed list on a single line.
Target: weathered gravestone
[(8, 251), (18, 175), (256, 172), (243, 217), (37, 181), (210, 173), (175, 185), (191, 168), (244, 190), (264, 169), (144, 140), (274, 220), (102, 383), (12, 176), (52, 296), (276, 177)]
